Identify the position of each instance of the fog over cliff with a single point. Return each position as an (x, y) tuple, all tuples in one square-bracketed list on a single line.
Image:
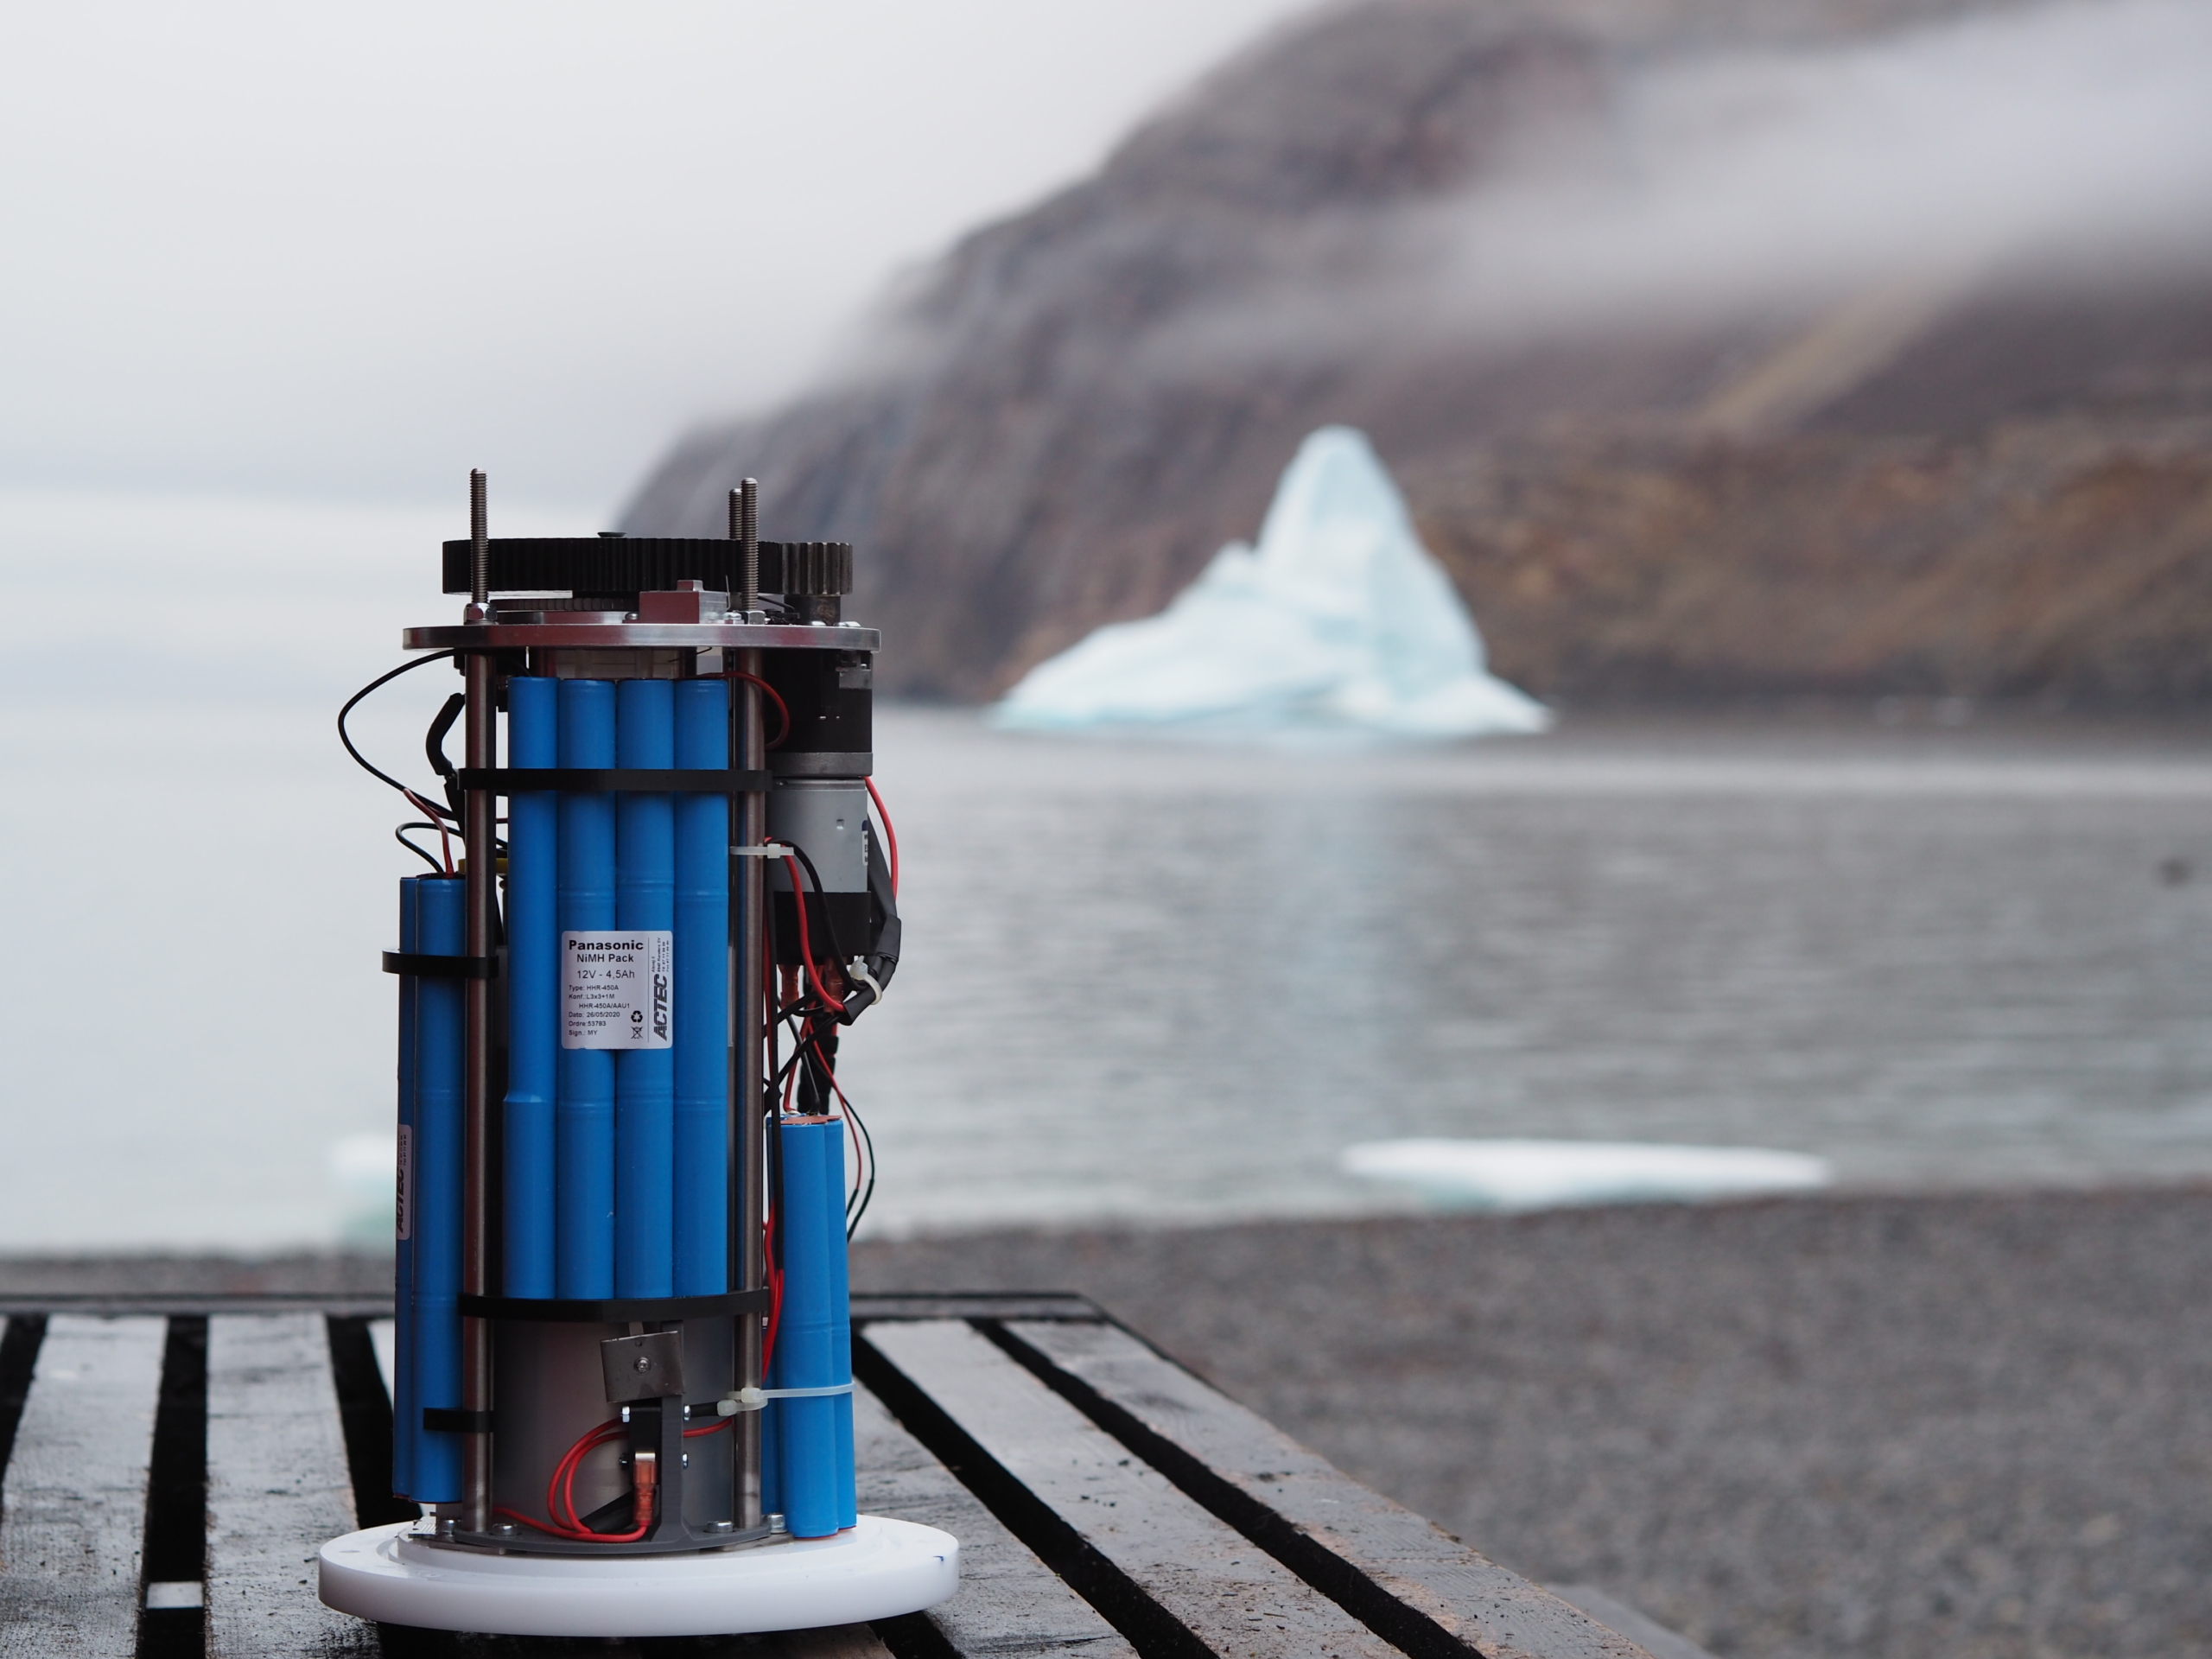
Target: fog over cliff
[(1835, 346)]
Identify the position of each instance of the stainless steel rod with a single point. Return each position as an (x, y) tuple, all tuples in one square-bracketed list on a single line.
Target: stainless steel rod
[(750, 989), (477, 809), (749, 993)]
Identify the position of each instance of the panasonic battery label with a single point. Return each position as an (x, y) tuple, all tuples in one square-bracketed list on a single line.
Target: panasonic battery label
[(615, 988)]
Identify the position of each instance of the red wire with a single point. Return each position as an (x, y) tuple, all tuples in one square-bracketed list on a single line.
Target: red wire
[(890, 835), (808, 1039), (561, 1492), (852, 1125), (575, 1462), (816, 1044), (805, 946), (775, 1297), (782, 709), (768, 1253), (517, 1515)]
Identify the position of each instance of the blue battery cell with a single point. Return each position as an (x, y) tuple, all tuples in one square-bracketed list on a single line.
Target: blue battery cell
[(841, 1330), (583, 1117), (772, 1458), (813, 1332), (435, 1202), (533, 992), (702, 1052), (406, 1416), (645, 1077)]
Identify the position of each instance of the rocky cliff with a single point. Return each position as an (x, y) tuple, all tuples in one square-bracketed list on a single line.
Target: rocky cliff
[(1935, 478)]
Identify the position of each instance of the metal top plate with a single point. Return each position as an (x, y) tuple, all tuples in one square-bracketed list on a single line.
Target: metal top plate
[(736, 636)]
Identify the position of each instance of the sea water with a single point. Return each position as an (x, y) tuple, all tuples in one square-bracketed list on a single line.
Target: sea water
[(1176, 982), (1160, 982)]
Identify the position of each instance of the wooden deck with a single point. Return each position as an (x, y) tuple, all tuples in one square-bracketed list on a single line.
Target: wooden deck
[(170, 1469)]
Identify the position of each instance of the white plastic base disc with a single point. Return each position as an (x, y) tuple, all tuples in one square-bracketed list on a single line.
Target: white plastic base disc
[(877, 1570)]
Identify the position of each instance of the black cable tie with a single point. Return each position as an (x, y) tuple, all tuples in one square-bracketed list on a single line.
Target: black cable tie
[(621, 1310), (632, 780), (418, 965), (452, 1420)]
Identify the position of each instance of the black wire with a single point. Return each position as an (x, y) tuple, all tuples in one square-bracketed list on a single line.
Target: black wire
[(434, 748), (801, 1043), (805, 1089), (784, 1073), (837, 951), (773, 1084), (868, 1142), (437, 865), (361, 759), (776, 1189), (853, 1215), (817, 1075)]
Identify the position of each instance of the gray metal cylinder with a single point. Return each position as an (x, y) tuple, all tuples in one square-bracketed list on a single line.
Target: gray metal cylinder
[(826, 816)]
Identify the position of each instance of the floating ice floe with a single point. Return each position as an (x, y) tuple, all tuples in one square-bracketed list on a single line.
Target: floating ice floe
[(1543, 1174), (1339, 618)]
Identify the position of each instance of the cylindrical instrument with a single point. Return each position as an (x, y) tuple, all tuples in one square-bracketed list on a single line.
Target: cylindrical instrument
[(703, 817)]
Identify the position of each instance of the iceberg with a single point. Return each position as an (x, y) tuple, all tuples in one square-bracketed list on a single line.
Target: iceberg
[(1545, 1174), (1339, 618)]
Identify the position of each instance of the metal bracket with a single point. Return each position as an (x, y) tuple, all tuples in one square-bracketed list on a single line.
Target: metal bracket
[(642, 1368)]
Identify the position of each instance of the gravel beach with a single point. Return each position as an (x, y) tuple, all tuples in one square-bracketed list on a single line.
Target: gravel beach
[(1961, 1426), (1958, 1425)]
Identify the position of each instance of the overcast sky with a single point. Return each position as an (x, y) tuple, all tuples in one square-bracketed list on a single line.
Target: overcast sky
[(350, 251)]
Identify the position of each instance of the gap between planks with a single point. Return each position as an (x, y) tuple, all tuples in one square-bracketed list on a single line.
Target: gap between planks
[(1219, 1587), (1372, 1553)]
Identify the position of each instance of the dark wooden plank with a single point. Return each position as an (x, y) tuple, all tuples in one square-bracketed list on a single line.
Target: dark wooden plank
[(75, 1493), (869, 1305), (830, 1642), (833, 1642), (1010, 1605), (1462, 1594), (161, 1304), (1639, 1627), (1234, 1597), (277, 1489)]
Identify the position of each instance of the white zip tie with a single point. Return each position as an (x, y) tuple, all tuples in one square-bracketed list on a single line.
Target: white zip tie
[(766, 850), (858, 970), (753, 1398)]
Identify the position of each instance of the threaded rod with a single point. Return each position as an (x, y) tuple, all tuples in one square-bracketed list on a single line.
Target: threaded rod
[(479, 566), (745, 502)]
